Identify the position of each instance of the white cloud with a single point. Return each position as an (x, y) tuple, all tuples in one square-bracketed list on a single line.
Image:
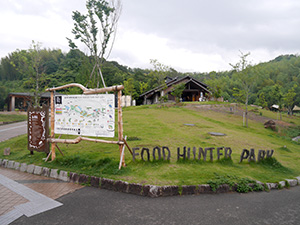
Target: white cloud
[(141, 47), (195, 35)]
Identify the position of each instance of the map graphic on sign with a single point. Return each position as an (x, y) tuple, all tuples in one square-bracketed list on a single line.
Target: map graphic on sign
[(86, 115)]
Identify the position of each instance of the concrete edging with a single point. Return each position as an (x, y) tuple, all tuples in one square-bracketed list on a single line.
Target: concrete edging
[(133, 188)]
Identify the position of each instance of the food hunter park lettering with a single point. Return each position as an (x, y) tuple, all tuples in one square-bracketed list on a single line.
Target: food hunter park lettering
[(204, 154)]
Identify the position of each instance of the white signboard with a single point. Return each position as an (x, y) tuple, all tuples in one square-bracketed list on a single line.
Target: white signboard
[(85, 115)]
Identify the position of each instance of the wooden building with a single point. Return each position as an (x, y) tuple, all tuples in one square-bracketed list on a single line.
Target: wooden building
[(194, 91), (21, 100)]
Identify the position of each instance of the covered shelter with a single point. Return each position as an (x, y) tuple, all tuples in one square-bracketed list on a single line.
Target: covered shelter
[(21, 100), (296, 108), (194, 91)]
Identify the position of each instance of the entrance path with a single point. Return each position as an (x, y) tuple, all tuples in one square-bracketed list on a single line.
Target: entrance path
[(27, 194)]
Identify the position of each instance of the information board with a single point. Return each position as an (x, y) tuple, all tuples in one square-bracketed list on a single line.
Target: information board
[(85, 115), (38, 129)]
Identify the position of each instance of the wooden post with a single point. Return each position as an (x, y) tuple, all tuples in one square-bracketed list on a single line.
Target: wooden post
[(52, 126), (120, 126), (122, 155)]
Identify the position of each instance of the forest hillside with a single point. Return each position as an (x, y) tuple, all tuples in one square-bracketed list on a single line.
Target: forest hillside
[(276, 82)]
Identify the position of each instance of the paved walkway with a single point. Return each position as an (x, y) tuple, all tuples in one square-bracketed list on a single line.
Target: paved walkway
[(27, 194), (95, 206)]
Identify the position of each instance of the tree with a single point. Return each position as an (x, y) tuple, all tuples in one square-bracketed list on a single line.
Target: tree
[(3, 95), (289, 99), (129, 87), (246, 77), (143, 87), (177, 91), (36, 59), (30, 63), (262, 101), (160, 71), (97, 37)]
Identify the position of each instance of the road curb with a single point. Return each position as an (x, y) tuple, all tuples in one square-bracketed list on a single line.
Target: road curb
[(135, 188)]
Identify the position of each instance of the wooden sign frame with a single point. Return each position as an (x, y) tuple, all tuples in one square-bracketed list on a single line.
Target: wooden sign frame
[(121, 141)]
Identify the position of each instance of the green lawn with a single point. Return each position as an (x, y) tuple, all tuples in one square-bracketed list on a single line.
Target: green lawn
[(150, 126), (8, 118)]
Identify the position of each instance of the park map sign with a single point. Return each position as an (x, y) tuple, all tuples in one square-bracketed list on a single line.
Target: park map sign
[(85, 115)]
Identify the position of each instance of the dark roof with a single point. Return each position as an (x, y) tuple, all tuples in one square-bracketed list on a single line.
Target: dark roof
[(176, 81), (30, 94)]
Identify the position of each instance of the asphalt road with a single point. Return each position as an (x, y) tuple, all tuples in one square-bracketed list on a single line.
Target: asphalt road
[(12, 130), (95, 206)]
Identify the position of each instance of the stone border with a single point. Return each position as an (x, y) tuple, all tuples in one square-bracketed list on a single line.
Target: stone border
[(133, 188)]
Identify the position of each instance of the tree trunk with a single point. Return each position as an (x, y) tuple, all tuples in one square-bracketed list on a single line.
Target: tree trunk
[(36, 88), (246, 111)]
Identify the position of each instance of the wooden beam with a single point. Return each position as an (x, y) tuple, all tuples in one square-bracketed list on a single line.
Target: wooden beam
[(88, 91), (125, 142), (102, 141), (48, 157), (102, 90), (67, 86), (79, 139), (59, 150)]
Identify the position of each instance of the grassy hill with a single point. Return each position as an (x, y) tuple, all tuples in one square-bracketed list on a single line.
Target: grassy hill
[(181, 126)]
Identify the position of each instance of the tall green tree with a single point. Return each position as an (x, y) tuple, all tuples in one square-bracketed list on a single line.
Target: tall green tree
[(246, 76), (30, 64), (262, 100), (36, 60), (97, 30), (129, 88), (289, 99)]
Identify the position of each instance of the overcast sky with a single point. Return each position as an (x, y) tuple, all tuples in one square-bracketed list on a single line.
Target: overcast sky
[(190, 35)]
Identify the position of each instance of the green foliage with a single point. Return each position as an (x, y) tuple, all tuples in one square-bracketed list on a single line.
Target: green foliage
[(266, 187), (287, 184), (257, 187), (177, 91), (129, 88), (291, 132), (219, 180), (160, 70), (163, 98), (289, 99), (274, 83), (3, 95), (243, 185), (272, 164), (262, 100)]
